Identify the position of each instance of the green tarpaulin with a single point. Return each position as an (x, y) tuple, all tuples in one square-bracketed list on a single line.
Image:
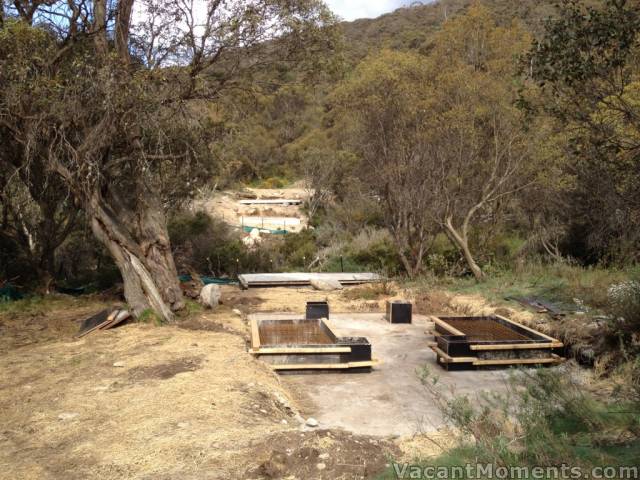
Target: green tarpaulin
[(210, 280), (9, 293), (266, 230)]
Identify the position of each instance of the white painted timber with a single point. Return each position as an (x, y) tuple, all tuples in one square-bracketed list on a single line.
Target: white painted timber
[(252, 280), (264, 201)]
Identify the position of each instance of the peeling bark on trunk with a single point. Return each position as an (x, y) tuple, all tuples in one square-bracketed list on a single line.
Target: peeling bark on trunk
[(145, 263)]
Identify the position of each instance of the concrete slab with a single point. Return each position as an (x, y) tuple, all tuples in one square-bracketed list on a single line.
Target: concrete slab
[(390, 400)]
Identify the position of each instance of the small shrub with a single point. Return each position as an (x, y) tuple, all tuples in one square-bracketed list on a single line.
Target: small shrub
[(624, 304), (437, 264), (372, 249), (543, 419), (210, 246), (339, 263), (298, 250)]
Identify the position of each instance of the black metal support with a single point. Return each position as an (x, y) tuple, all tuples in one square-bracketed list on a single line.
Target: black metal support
[(399, 311), (316, 310)]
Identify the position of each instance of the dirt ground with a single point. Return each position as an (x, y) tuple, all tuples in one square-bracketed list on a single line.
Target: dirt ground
[(141, 401), (293, 300), (187, 401)]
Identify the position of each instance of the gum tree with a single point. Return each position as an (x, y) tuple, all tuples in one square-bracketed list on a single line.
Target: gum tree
[(112, 96), (389, 102), (587, 67), (478, 145)]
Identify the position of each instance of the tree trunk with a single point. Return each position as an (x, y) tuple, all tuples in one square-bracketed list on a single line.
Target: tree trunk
[(411, 271), (412, 263), (462, 243), (142, 253)]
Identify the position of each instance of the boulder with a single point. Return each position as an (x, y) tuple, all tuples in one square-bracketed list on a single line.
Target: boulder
[(326, 285), (210, 296)]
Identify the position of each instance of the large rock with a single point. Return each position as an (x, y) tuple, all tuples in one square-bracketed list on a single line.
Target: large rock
[(210, 296), (326, 285)]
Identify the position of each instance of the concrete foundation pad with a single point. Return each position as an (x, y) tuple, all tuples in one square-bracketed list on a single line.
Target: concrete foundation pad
[(390, 400)]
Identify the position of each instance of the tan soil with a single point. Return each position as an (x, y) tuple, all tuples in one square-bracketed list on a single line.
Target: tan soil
[(330, 454), (293, 300), (225, 205), (185, 401), (39, 325)]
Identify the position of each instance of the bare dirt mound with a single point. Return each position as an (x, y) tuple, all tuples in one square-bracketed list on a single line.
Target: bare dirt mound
[(166, 370), (325, 454), (137, 402)]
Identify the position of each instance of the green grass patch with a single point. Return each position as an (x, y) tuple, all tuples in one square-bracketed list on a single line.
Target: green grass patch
[(39, 304), (150, 316), (191, 307), (560, 284), (544, 419)]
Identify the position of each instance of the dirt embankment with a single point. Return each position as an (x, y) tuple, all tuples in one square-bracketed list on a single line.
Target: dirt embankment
[(140, 401)]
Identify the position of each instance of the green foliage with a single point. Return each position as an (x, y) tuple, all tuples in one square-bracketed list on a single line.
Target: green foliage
[(298, 249), (39, 304), (560, 283), (335, 264), (191, 308), (587, 66), (543, 420), (210, 246), (370, 250), (375, 251)]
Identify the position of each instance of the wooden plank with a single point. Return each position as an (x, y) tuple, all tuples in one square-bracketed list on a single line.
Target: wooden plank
[(97, 321), (446, 326), (325, 366), (330, 326), (255, 334), (449, 359), (535, 332), (117, 320), (303, 350), (517, 346), (518, 361)]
